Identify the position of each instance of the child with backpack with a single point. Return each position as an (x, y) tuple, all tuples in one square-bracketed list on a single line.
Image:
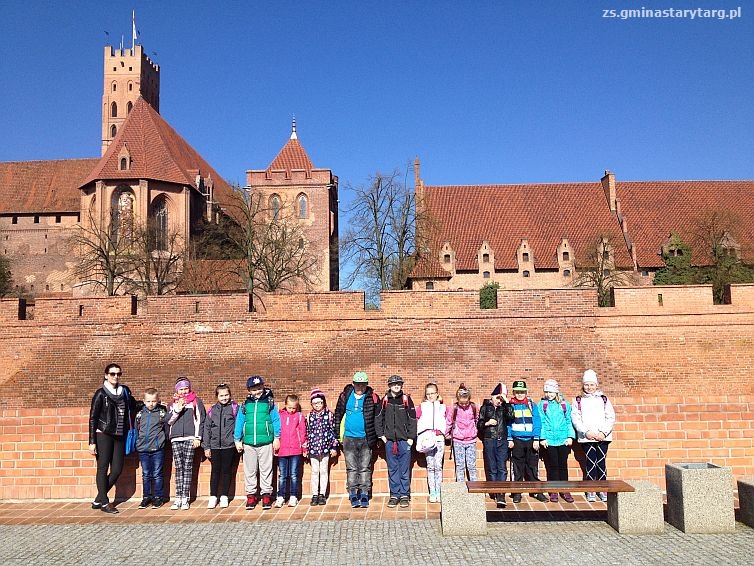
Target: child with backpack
[(557, 436), (523, 439), (593, 418), (186, 423), (257, 435), (494, 417), (432, 425), (151, 422), (321, 445), (219, 446), (290, 453), (462, 429)]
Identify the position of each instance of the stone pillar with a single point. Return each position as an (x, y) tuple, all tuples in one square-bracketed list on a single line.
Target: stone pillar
[(462, 513), (746, 500), (638, 512), (700, 498)]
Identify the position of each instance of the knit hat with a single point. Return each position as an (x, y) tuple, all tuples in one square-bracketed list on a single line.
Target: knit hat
[(500, 389), (360, 377), (254, 381), (463, 391), (317, 394), (181, 383), (519, 385), (551, 386), (590, 376)]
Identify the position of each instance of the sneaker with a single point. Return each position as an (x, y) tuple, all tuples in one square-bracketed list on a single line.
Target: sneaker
[(392, 502), (404, 501), (364, 501), (157, 502), (603, 496), (293, 501), (567, 497), (355, 501), (96, 504), (223, 501), (145, 502), (500, 500), (185, 505), (516, 497), (539, 496), (109, 508), (315, 501), (266, 501), (553, 498), (433, 497), (322, 499), (591, 497), (212, 503), (279, 502), (251, 502), (176, 505)]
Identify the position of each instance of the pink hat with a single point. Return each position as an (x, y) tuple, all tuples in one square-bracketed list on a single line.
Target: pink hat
[(317, 394), (551, 386)]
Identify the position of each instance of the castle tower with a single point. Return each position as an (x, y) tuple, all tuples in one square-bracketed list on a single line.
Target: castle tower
[(129, 74)]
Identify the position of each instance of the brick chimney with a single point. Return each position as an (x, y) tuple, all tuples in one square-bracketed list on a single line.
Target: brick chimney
[(608, 185)]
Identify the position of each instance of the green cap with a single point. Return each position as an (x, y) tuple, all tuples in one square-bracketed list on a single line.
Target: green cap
[(519, 385), (360, 377)]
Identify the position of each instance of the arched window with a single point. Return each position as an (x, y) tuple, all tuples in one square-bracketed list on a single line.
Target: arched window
[(275, 207), (115, 87), (301, 243), (129, 107), (122, 214), (303, 206), (130, 86), (113, 131), (114, 110), (486, 275), (123, 163), (159, 219)]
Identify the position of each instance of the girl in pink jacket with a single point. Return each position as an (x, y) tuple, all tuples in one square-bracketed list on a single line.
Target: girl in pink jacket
[(461, 421), (290, 453)]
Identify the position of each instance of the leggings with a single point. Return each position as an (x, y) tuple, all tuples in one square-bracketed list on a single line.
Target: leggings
[(222, 463), (111, 451), (596, 460)]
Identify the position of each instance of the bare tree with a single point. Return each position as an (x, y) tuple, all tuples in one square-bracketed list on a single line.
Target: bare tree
[(380, 245), (6, 279), (154, 258), (598, 270)]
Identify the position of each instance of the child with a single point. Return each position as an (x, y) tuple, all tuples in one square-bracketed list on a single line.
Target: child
[(257, 435), (523, 439), (594, 418), (431, 420), (186, 428), (219, 446), (557, 436), (292, 442), (150, 425), (494, 417), (461, 426), (395, 424), (321, 445)]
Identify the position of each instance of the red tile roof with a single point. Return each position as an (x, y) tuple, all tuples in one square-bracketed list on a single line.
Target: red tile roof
[(157, 152), (292, 156), (654, 209), (506, 214), (43, 186)]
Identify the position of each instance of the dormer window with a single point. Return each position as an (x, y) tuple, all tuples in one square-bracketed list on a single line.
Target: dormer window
[(123, 163), (566, 256), (526, 273), (446, 258), (525, 256), (566, 273), (485, 258), (486, 274)]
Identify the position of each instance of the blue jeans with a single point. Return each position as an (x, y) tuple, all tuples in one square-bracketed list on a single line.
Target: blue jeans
[(398, 468), (151, 471), (496, 458), (289, 467), (358, 457)]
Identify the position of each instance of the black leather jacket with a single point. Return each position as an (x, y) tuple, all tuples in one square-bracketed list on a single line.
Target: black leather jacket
[(104, 413), (502, 414)]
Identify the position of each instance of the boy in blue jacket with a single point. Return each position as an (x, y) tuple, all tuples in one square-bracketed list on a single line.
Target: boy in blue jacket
[(151, 422), (523, 439)]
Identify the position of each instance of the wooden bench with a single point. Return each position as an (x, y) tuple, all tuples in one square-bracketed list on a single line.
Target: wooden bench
[(633, 508)]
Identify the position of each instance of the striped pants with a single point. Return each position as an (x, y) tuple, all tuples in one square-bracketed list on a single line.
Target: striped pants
[(596, 460)]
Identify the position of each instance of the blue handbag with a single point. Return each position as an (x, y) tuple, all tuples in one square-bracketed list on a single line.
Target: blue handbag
[(131, 435)]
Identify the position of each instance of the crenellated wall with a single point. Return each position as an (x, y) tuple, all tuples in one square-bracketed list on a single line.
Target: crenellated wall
[(679, 374)]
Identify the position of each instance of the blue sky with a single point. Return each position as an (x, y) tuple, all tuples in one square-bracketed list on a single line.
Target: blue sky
[(482, 92)]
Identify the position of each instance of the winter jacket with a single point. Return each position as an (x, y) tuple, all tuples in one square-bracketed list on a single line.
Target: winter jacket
[(432, 415), (104, 414), (502, 414), (464, 430), (292, 433), (370, 405), (396, 417), (593, 412), (556, 423), (258, 421), (320, 433), (184, 424), (150, 426), (219, 426), (527, 422)]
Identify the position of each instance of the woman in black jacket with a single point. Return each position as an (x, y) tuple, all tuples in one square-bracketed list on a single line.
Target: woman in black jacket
[(112, 409)]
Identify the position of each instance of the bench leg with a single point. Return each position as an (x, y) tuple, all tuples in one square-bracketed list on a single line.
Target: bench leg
[(462, 513), (638, 512)]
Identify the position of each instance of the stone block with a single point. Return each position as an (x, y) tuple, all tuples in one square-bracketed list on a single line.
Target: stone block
[(746, 500), (638, 512), (462, 513), (700, 498)]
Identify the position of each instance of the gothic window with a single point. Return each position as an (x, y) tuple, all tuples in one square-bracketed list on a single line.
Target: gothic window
[(114, 110), (303, 206), (129, 107), (113, 131), (275, 207), (115, 87), (123, 163), (123, 206), (159, 218), (130, 87)]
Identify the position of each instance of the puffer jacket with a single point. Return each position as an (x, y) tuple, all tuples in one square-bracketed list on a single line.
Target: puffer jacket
[(593, 412), (219, 426), (370, 404), (396, 417), (556, 422), (503, 414), (151, 428)]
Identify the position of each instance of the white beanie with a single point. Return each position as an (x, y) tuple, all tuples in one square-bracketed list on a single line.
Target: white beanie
[(590, 376)]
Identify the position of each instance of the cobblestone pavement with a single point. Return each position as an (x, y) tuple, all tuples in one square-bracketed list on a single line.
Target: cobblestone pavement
[(378, 542)]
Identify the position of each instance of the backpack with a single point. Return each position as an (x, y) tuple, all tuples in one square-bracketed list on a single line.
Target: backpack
[(405, 401), (232, 404), (453, 424), (578, 401), (562, 404)]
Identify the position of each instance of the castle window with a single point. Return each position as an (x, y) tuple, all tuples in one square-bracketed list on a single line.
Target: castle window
[(525, 256), (159, 214), (275, 207), (47, 287), (129, 107), (485, 258), (566, 273), (301, 243), (113, 131), (130, 87), (114, 110), (123, 163), (14, 220), (526, 273), (58, 219), (486, 275), (122, 215), (644, 273), (36, 220), (605, 272), (446, 258), (606, 255), (566, 256), (303, 206), (429, 285)]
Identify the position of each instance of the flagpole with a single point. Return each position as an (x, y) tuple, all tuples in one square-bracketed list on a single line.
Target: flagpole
[(133, 30)]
